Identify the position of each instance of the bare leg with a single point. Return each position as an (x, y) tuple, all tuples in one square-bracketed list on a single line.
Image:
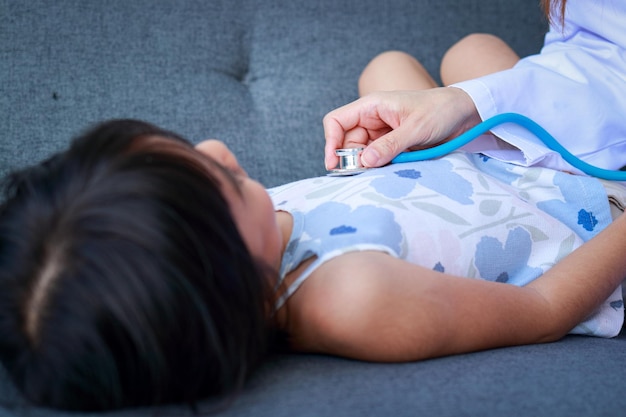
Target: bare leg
[(394, 70), (474, 56)]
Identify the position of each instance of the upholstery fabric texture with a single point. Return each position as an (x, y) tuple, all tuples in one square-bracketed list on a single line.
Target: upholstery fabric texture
[(260, 75)]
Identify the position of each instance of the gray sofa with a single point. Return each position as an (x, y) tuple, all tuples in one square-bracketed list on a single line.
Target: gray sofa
[(260, 75)]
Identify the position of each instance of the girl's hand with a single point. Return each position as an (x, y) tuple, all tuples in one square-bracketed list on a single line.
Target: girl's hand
[(391, 122)]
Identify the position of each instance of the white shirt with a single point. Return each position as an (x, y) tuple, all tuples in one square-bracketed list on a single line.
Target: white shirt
[(575, 88)]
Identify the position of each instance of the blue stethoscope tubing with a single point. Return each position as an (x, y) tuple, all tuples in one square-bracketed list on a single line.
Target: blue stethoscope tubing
[(525, 122)]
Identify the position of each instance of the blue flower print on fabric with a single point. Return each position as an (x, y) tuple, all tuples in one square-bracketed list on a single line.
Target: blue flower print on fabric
[(411, 174), (439, 268), (587, 220), (396, 186), (494, 168), (343, 229), (337, 225), (579, 219), (436, 175), (508, 262)]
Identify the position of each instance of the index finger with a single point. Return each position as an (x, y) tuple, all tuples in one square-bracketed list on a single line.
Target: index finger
[(347, 126), (336, 124), (334, 135)]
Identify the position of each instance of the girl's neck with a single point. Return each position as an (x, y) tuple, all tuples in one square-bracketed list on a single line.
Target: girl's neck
[(284, 220)]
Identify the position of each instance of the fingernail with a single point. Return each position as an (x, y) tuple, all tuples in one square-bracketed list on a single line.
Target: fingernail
[(370, 158)]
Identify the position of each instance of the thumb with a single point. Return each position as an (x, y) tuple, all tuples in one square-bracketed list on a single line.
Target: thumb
[(381, 151)]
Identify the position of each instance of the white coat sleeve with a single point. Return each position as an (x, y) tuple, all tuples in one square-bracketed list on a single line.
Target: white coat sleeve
[(575, 88)]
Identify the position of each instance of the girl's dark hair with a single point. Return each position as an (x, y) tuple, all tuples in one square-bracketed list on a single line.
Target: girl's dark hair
[(123, 278)]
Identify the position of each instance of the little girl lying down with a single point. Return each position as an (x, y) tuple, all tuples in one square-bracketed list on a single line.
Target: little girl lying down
[(138, 270)]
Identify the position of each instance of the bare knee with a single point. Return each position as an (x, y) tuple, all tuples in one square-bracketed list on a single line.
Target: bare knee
[(394, 70), (476, 55)]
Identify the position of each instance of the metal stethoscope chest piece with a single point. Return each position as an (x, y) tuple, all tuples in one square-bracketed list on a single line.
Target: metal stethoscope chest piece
[(349, 162)]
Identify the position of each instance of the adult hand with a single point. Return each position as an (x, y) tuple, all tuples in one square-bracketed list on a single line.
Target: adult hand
[(391, 122)]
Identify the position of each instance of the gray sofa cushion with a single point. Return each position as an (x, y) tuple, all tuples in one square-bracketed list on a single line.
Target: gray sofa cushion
[(260, 75)]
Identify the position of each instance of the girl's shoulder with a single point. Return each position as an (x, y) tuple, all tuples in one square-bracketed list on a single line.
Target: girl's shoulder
[(342, 298)]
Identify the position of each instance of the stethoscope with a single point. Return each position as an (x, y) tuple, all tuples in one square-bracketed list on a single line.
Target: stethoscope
[(349, 158)]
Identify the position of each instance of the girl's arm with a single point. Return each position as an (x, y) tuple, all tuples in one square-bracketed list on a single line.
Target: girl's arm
[(371, 306)]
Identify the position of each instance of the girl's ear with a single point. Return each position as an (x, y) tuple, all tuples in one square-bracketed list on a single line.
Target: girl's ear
[(220, 153)]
